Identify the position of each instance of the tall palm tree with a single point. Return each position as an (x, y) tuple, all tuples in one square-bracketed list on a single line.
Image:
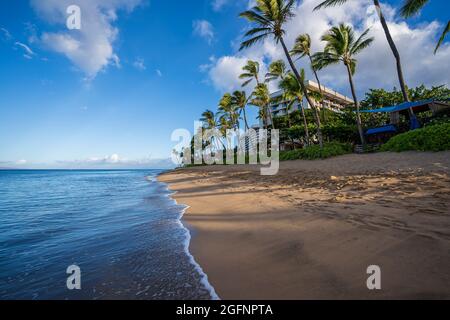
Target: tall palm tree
[(277, 70), (412, 7), (292, 92), (342, 46), (239, 100), (387, 32), (261, 98), (269, 17), (251, 72), (302, 48)]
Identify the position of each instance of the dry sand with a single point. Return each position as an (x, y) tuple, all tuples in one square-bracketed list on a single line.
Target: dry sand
[(311, 231)]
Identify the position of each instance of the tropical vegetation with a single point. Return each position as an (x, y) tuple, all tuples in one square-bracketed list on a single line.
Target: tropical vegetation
[(431, 138), (310, 128)]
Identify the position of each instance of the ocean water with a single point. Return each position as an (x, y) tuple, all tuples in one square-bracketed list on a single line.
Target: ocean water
[(120, 227)]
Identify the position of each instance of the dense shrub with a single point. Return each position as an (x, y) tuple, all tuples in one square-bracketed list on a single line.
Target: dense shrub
[(431, 138), (315, 152)]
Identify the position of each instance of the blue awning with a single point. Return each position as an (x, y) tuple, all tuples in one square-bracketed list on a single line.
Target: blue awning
[(405, 106), (385, 129)]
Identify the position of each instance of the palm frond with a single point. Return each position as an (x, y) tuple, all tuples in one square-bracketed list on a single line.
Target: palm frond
[(246, 83), (324, 59), (441, 39), (362, 43), (329, 3), (412, 7), (253, 16), (357, 49), (255, 31), (246, 75), (250, 42)]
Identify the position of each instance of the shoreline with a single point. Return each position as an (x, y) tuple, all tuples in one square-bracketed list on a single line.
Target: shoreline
[(311, 231), (204, 277)]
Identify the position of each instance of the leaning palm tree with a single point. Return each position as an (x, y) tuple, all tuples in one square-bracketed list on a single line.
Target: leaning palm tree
[(269, 17), (329, 3), (239, 100), (261, 98), (251, 72), (412, 7), (302, 48), (292, 92), (277, 70), (342, 46)]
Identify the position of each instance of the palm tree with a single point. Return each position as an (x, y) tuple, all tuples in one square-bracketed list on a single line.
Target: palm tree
[(239, 100), (412, 7), (293, 93), (269, 17), (302, 48), (329, 3), (209, 119), (261, 98), (228, 110), (251, 72), (341, 46), (277, 70), (210, 122)]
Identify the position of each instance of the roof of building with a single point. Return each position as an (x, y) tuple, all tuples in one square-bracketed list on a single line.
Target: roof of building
[(329, 93), (417, 106), (385, 129)]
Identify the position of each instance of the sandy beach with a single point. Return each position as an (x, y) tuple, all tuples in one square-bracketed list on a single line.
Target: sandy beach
[(311, 231)]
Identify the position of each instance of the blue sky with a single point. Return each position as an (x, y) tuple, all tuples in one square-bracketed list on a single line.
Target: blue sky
[(112, 94)]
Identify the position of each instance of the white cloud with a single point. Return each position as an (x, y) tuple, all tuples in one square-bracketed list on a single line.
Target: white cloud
[(115, 161), (204, 29), (376, 67), (218, 4), (28, 53), (159, 73), (21, 162), (225, 74), (6, 34), (91, 48), (139, 64)]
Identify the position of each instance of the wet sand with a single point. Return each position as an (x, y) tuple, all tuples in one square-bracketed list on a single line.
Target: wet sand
[(311, 231)]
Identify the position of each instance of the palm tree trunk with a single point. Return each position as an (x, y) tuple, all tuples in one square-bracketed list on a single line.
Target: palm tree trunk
[(355, 99), (305, 92), (396, 55), (289, 119), (318, 82), (305, 123), (245, 118), (270, 117)]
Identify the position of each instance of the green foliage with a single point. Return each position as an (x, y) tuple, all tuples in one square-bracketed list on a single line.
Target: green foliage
[(439, 119), (431, 138), (314, 152), (379, 98), (340, 132)]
